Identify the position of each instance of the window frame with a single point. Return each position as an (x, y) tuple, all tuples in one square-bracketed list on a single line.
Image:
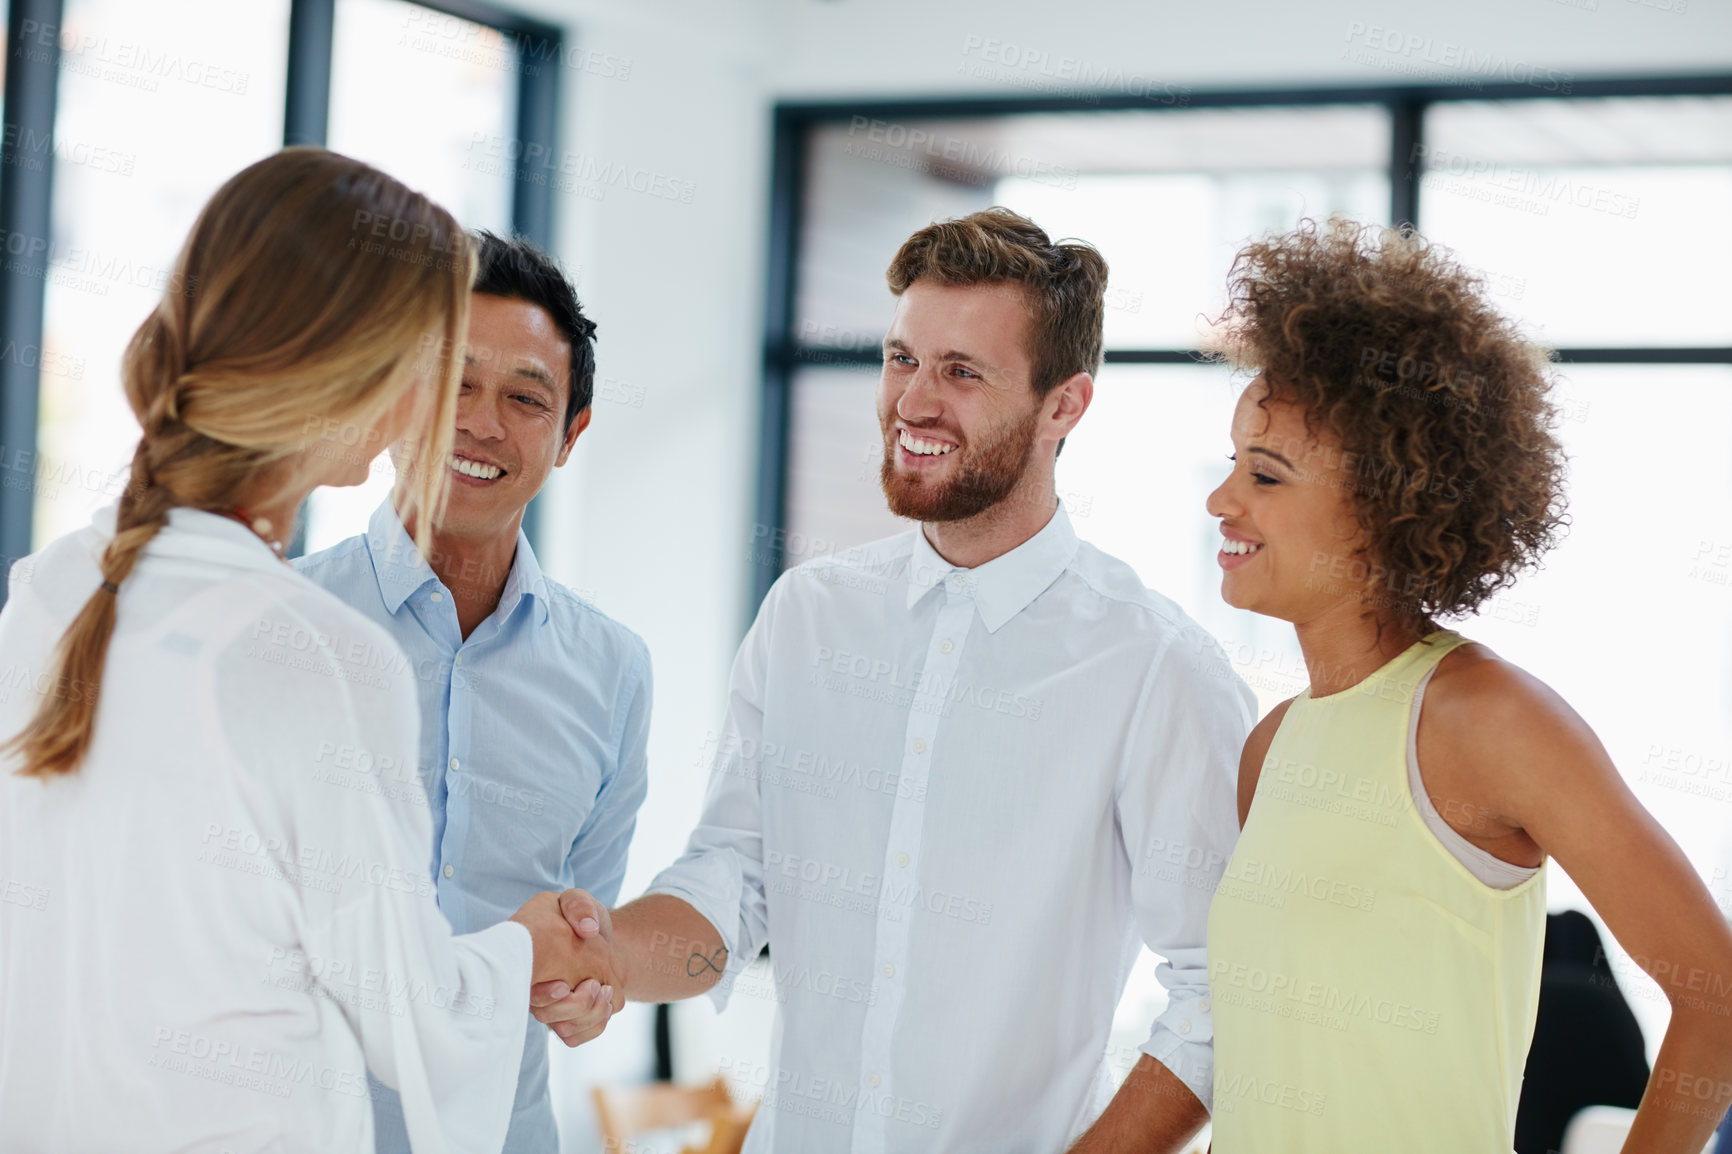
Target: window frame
[(1406, 105)]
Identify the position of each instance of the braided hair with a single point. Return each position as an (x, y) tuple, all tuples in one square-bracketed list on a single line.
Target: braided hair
[(312, 294)]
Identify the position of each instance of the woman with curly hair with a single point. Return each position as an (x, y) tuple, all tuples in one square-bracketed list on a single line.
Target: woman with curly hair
[(1374, 947)]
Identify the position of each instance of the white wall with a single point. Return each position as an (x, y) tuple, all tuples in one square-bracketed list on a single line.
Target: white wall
[(904, 48)]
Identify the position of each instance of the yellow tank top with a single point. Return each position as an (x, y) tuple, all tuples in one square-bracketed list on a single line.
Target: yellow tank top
[(1369, 993)]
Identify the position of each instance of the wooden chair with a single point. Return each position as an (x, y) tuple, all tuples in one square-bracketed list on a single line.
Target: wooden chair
[(624, 1112), (727, 1132)]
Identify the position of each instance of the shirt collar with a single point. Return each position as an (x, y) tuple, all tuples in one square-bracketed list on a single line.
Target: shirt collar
[(195, 535), (1005, 585), (403, 572)]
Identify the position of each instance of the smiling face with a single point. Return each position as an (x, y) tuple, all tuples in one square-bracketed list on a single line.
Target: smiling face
[(1292, 546), (961, 421), (511, 428)]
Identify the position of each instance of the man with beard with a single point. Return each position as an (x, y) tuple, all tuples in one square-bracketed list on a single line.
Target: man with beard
[(966, 771), (534, 705)]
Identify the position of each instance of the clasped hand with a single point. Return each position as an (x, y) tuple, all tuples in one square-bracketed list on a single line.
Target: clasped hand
[(575, 986)]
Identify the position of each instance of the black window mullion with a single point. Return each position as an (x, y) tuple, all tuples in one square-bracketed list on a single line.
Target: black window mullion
[(539, 60), (307, 93), (26, 203), (307, 120), (1406, 149), (782, 355)]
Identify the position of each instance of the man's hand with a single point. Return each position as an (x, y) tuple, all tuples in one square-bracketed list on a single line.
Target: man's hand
[(579, 1014), (659, 947), (574, 967)]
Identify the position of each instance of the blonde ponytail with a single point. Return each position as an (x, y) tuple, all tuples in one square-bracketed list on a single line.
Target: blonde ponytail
[(286, 316)]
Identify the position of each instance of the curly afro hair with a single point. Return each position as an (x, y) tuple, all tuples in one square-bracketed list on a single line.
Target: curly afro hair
[(1442, 408)]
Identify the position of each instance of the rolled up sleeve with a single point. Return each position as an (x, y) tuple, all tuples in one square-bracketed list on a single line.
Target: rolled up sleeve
[(1178, 816)]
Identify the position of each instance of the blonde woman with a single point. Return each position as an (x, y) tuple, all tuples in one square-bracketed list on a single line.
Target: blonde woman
[(211, 829)]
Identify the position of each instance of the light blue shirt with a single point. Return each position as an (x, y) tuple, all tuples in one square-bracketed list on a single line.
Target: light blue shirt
[(532, 752)]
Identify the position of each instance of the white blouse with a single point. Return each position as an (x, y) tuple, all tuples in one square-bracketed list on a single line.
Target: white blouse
[(212, 929)]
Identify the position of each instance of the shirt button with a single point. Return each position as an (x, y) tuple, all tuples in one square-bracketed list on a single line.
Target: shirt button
[(450, 870), (458, 662), (919, 746), (1184, 1024), (889, 970), (946, 645), (437, 597), (1203, 1006), (455, 763), (874, 1080), (901, 859)]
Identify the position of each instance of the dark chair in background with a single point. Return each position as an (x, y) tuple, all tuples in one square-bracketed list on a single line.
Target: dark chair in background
[(1587, 1047)]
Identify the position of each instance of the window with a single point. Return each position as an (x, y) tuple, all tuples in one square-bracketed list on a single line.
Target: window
[(157, 107), (431, 99), (1601, 222)]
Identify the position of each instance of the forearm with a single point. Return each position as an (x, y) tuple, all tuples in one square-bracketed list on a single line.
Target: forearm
[(1691, 1086), (1153, 1113), (666, 950)]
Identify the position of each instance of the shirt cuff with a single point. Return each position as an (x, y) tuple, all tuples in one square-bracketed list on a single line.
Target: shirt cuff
[(1183, 1040), (713, 884), (508, 940)]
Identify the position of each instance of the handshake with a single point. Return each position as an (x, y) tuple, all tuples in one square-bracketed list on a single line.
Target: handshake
[(575, 982)]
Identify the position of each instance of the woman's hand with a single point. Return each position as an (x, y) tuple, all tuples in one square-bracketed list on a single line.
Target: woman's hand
[(574, 976), (579, 1013)]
